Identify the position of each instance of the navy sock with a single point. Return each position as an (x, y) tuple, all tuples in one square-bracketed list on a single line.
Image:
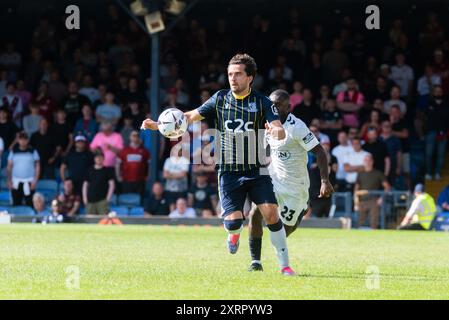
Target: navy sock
[(255, 248)]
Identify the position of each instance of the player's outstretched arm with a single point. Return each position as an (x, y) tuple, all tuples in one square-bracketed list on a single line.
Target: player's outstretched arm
[(192, 116)]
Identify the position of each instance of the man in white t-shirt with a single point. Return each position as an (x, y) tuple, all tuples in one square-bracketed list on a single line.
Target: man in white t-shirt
[(176, 170), (354, 162), (402, 75), (340, 152), (182, 211)]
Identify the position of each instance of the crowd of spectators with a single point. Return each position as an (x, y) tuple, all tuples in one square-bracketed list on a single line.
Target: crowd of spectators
[(72, 104)]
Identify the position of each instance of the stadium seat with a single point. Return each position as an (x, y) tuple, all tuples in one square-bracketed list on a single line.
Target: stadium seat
[(129, 200), (82, 211), (3, 184), (5, 198), (47, 184), (136, 212), (21, 210), (120, 210), (113, 200)]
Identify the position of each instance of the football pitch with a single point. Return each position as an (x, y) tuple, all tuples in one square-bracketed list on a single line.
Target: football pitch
[(162, 262)]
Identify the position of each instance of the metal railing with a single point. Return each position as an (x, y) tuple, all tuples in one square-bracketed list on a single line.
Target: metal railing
[(343, 203)]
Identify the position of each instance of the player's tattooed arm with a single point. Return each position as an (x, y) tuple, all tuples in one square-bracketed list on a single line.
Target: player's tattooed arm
[(326, 189)]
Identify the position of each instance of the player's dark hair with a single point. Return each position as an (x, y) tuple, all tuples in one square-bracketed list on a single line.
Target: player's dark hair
[(279, 96), (247, 60)]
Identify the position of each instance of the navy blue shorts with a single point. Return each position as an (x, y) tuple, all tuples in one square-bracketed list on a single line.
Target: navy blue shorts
[(234, 187)]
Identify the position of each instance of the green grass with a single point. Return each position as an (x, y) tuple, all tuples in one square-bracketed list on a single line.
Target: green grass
[(149, 262)]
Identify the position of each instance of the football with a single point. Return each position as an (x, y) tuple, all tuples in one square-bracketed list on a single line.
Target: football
[(172, 123)]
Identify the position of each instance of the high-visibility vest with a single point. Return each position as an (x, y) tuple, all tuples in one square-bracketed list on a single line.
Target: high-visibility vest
[(425, 217)]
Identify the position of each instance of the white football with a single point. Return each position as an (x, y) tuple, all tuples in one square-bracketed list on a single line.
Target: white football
[(172, 123)]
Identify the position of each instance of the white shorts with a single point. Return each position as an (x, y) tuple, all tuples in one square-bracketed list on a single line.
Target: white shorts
[(291, 207)]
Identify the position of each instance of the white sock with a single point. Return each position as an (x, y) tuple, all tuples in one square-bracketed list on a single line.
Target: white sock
[(279, 242)]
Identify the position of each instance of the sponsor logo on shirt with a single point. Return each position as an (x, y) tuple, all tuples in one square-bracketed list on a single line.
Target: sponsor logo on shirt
[(252, 107), (283, 154), (308, 138)]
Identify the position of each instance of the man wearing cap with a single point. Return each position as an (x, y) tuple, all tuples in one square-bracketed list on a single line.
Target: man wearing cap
[(421, 212), (23, 171), (76, 164)]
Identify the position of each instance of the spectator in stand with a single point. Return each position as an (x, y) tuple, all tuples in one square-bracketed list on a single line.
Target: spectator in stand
[(38, 204), (23, 171), (57, 90), (13, 103), (3, 82), (350, 102), (340, 153), (11, 59), (55, 215), (44, 143), (315, 129), (202, 197), (86, 126), (402, 75), (334, 61), (373, 123), (182, 97), (394, 150), (343, 85), (8, 130), (324, 96), (69, 200), (441, 67), (437, 129), (296, 96), (395, 99), (135, 113), (331, 120), (23, 93), (31, 121), (126, 129), (108, 111), (400, 130), (62, 134), (134, 93), (89, 90), (421, 212), (176, 169), (307, 110), (157, 204), (110, 143), (443, 200), (182, 211), (381, 90), (76, 164), (369, 179), (353, 163), (73, 104), (286, 71), (426, 84), (98, 187), (45, 102), (212, 79), (379, 151), (132, 166)]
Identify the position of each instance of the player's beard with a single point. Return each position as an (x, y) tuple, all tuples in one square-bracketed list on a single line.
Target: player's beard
[(240, 91)]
